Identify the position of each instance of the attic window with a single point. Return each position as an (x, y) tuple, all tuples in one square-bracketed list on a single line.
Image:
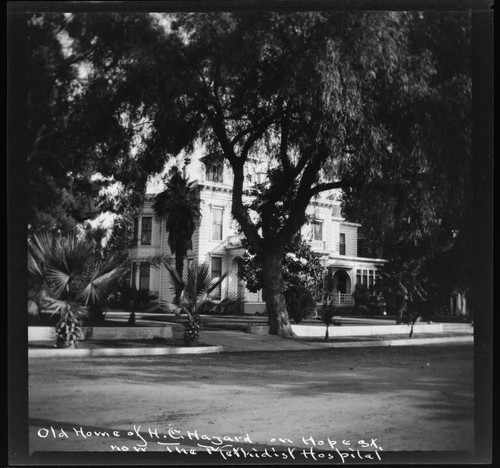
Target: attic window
[(214, 165), (214, 172)]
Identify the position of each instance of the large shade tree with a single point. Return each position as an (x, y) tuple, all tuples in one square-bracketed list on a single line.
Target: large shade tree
[(77, 126), (328, 98), (421, 219)]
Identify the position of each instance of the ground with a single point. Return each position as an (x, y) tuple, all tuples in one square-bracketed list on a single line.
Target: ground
[(407, 398)]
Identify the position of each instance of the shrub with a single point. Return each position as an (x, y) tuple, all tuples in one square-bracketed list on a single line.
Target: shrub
[(364, 302), (299, 303)]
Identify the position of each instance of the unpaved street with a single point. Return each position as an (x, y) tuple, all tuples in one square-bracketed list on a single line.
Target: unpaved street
[(403, 398)]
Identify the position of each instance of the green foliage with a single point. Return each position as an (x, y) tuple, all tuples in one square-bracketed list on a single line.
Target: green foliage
[(301, 267), (121, 238), (419, 208), (300, 303), (67, 275), (403, 286), (364, 301)]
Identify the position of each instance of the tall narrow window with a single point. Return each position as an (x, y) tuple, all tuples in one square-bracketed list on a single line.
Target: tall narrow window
[(318, 230), (365, 277), (371, 278), (133, 279), (217, 224), (216, 274), (136, 230), (358, 276), (342, 243), (145, 272), (214, 172), (146, 228)]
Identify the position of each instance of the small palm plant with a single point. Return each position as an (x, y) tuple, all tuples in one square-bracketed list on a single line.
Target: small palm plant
[(70, 276), (194, 296), (328, 311)]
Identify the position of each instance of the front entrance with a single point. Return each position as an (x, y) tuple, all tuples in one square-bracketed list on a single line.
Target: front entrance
[(341, 282)]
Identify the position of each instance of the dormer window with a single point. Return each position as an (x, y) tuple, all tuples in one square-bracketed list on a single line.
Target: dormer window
[(214, 172)]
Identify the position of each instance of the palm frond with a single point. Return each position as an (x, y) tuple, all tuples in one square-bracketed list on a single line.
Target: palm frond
[(40, 248), (170, 307), (215, 283), (175, 281), (157, 260), (96, 288), (58, 280), (65, 309)]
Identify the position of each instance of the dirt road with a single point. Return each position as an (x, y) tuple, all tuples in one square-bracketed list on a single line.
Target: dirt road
[(396, 399)]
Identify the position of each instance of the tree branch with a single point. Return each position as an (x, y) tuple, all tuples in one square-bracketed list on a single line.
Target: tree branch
[(285, 160), (217, 121), (259, 131), (241, 214), (329, 186)]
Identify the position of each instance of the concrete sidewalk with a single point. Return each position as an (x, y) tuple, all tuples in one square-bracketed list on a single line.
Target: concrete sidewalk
[(233, 341), (215, 341)]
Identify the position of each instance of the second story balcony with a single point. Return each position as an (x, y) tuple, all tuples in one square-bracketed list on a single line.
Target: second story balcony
[(319, 245)]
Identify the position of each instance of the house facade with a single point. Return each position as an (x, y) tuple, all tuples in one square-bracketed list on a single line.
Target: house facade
[(216, 241)]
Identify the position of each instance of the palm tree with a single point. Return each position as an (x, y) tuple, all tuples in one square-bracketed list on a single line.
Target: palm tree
[(179, 205), (68, 275), (195, 288)]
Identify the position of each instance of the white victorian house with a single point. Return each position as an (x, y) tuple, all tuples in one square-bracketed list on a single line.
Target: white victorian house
[(216, 240)]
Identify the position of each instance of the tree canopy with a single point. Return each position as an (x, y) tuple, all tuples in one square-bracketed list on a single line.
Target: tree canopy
[(76, 119), (301, 266), (330, 99), (422, 218)]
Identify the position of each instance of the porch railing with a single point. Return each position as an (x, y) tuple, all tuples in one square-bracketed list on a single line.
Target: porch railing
[(342, 298)]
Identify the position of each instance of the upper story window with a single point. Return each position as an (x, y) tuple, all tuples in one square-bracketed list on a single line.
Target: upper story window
[(215, 172), (317, 230), (136, 230), (341, 243), (146, 230), (217, 223)]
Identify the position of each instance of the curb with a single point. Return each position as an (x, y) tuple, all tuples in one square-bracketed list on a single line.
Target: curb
[(99, 352), (400, 342)]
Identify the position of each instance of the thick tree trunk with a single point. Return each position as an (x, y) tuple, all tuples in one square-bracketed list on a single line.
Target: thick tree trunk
[(179, 268), (273, 290)]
